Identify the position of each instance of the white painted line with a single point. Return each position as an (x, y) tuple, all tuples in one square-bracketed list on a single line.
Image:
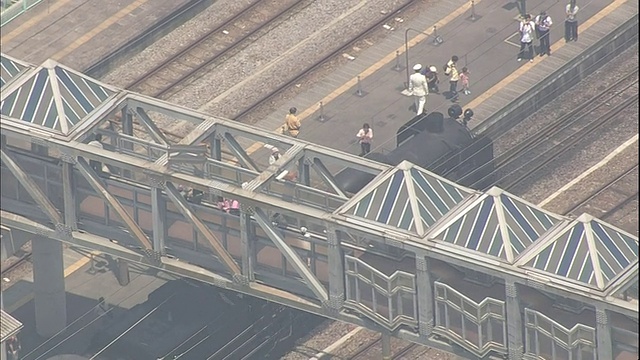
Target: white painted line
[(595, 167), (337, 344)]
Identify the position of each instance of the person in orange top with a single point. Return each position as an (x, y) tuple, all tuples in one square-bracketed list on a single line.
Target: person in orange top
[(291, 123)]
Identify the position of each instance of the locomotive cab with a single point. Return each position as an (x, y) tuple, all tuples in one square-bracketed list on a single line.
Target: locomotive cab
[(442, 145)]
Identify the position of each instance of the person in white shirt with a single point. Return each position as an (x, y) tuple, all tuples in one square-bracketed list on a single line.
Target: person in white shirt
[(418, 88), (96, 165), (571, 22), (527, 27), (275, 155), (543, 25), (365, 135)]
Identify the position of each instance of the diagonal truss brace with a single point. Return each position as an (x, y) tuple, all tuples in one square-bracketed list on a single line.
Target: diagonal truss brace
[(326, 176), (239, 152), (295, 153), (217, 247), (301, 268), (97, 185), (155, 132), (32, 188)]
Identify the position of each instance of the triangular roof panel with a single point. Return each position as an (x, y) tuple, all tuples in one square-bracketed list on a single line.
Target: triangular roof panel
[(407, 197), (11, 68), (54, 97), (497, 224), (587, 250)]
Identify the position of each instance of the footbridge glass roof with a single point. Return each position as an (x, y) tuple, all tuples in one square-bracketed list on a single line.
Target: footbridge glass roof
[(54, 97), (407, 197), (11, 68), (496, 223), (587, 250)]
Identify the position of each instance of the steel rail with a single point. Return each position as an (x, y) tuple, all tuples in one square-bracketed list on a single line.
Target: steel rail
[(555, 126), (548, 130), (601, 189), (248, 12), (298, 78), (562, 147)]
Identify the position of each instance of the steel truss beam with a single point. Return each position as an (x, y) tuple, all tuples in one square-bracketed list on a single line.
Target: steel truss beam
[(240, 154), (33, 189), (326, 176), (97, 185), (397, 239), (151, 127), (216, 245), (291, 155), (292, 257), (104, 245)]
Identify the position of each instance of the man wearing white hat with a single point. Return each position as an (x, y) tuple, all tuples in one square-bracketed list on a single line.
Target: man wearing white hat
[(418, 88)]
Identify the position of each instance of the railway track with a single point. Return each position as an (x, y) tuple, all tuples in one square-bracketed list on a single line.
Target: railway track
[(537, 151), (25, 258), (216, 45), (406, 351), (600, 199)]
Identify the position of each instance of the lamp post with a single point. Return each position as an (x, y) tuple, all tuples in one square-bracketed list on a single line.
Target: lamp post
[(406, 49)]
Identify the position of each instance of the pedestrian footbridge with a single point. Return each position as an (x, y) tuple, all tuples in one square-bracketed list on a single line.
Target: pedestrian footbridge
[(412, 254)]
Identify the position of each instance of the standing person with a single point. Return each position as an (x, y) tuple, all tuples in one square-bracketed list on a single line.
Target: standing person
[(432, 79), (418, 88), (96, 165), (451, 70), (543, 25), (275, 155), (13, 348), (291, 123), (464, 78), (571, 22), (365, 135), (527, 27)]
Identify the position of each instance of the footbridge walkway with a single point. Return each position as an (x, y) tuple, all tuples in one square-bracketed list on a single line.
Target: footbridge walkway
[(411, 255)]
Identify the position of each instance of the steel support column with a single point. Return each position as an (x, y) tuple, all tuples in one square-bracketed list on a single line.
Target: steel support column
[(514, 321), (98, 186), (292, 257), (48, 281), (69, 196), (216, 245), (336, 270), (216, 147), (159, 216), (127, 129), (386, 346), (425, 297), (247, 239), (32, 188), (303, 172), (604, 343)]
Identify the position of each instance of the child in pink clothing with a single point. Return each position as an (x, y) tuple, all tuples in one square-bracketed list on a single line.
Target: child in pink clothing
[(464, 79)]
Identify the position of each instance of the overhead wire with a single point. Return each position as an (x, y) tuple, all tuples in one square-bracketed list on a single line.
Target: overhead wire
[(90, 311)]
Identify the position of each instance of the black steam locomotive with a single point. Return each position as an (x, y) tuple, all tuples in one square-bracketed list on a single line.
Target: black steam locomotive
[(442, 145)]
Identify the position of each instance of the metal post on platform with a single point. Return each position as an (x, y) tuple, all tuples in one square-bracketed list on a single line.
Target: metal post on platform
[(92, 268), (359, 87), (473, 10), (437, 40), (321, 117), (397, 66)]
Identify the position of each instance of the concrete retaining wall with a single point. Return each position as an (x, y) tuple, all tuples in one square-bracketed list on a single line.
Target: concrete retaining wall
[(624, 37)]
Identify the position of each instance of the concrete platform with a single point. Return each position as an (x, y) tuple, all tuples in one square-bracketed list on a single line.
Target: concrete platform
[(487, 46), (78, 33)]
